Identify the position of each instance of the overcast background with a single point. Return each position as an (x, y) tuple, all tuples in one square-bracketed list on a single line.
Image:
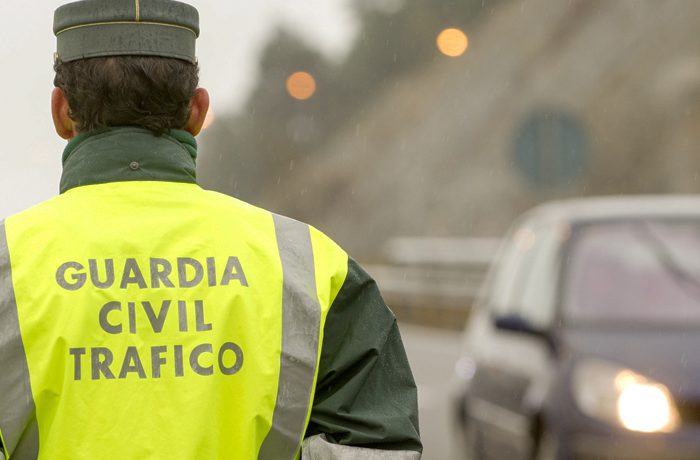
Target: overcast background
[(233, 34)]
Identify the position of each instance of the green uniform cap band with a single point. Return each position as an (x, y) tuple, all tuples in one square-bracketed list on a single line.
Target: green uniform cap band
[(97, 28)]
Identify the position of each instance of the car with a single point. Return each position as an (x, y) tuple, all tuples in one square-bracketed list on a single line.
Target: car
[(585, 340)]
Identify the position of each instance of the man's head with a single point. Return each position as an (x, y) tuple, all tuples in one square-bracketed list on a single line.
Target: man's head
[(127, 63), (156, 93)]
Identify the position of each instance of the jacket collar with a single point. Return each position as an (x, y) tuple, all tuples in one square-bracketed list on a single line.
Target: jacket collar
[(128, 154)]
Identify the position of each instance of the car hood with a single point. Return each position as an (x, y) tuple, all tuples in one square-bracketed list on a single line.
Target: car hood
[(668, 356)]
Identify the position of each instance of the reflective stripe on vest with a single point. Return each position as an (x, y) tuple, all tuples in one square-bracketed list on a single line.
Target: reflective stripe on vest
[(17, 422), (317, 448), (301, 318), (160, 320)]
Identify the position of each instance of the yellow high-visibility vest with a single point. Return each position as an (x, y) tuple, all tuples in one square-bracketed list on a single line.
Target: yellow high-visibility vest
[(157, 320)]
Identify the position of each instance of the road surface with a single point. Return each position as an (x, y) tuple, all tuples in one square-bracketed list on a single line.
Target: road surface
[(432, 354)]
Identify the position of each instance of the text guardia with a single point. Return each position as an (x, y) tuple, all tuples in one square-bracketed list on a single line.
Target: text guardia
[(185, 272)]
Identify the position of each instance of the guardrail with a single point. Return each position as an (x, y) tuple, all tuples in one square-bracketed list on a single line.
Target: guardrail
[(431, 281)]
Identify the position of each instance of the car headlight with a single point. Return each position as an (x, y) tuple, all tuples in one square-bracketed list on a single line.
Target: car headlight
[(623, 397)]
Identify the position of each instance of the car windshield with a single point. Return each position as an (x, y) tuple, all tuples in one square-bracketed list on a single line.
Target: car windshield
[(644, 271)]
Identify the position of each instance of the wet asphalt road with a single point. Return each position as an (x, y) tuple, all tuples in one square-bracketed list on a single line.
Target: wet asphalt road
[(432, 354)]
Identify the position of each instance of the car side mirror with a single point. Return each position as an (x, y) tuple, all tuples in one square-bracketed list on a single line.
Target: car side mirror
[(516, 323)]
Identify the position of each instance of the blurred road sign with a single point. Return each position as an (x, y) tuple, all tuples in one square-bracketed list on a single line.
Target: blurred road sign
[(550, 148)]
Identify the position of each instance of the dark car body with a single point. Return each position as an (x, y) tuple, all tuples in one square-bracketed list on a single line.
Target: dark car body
[(608, 282)]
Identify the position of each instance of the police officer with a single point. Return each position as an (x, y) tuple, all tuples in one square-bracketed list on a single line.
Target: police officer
[(142, 317)]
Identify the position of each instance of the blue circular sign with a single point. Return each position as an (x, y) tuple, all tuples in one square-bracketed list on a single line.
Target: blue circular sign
[(550, 148)]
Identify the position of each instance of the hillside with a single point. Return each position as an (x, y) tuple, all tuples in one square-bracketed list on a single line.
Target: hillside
[(433, 153)]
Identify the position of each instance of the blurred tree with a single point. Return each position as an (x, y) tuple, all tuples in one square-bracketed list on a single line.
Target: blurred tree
[(254, 145)]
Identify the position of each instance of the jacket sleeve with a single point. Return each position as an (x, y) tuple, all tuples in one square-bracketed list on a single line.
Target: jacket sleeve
[(366, 401)]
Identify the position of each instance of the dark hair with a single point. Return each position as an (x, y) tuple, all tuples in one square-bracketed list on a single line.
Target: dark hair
[(147, 91)]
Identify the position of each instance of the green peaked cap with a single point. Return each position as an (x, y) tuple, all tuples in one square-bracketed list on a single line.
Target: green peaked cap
[(94, 28)]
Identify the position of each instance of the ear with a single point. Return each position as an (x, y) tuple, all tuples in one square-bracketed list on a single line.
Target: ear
[(65, 127), (199, 107)]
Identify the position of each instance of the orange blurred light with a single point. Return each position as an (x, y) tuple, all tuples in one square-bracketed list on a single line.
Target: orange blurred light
[(301, 85), (452, 42)]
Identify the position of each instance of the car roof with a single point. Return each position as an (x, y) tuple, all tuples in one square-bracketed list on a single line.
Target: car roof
[(581, 210)]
